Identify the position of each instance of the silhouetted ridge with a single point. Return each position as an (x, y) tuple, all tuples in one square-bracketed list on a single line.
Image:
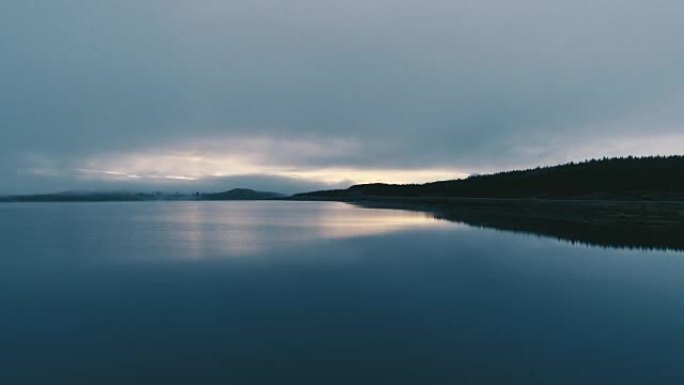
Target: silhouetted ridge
[(645, 178), (242, 194), (84, 196)]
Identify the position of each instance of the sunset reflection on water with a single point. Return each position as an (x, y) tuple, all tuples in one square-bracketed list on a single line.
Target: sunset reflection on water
[(228, 229)]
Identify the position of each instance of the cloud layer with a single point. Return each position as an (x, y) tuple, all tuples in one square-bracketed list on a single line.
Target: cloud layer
[(307, 91)]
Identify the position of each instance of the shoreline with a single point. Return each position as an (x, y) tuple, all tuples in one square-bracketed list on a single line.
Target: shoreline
[(587, 211), (620, 224), (606, 223)]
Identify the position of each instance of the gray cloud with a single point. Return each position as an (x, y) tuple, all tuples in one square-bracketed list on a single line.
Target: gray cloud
[(463, 85)]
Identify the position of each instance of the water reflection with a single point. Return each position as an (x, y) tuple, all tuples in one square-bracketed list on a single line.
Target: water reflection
[(337, 221), (329, 294), (646, 236), (220, 229)]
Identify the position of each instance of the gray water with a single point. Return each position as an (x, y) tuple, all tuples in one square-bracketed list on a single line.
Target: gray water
[(322, 293)]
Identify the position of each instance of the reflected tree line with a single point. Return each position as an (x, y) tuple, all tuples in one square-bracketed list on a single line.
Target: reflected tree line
[(620, 235), (634, 225)]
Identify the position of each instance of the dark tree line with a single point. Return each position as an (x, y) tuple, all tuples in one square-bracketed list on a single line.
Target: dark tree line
[(655, 177)]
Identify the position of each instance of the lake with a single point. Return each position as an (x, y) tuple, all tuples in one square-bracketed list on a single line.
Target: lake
[(323, 293)]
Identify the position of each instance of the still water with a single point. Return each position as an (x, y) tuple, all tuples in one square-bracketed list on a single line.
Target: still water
[(322, 293)]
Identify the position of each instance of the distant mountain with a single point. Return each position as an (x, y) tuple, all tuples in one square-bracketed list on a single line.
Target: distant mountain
[(124, 196), (241, 194), (79, 196), (630, 178)]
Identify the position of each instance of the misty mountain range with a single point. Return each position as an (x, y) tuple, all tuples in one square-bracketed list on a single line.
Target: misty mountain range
[(127, 196)]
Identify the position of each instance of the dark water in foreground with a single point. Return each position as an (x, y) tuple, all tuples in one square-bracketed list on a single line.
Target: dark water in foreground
[(322, 293)]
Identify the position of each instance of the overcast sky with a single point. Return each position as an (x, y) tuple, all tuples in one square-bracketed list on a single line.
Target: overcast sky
[(293, 95)]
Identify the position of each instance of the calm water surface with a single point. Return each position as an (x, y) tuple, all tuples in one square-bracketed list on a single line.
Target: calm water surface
[(322, 293)]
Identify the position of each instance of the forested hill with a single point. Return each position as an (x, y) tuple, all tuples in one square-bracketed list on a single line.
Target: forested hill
[(650, 178), (241, 194)]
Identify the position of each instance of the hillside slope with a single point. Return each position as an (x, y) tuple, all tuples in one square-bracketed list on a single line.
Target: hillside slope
[(241, 194), (631, 178)]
